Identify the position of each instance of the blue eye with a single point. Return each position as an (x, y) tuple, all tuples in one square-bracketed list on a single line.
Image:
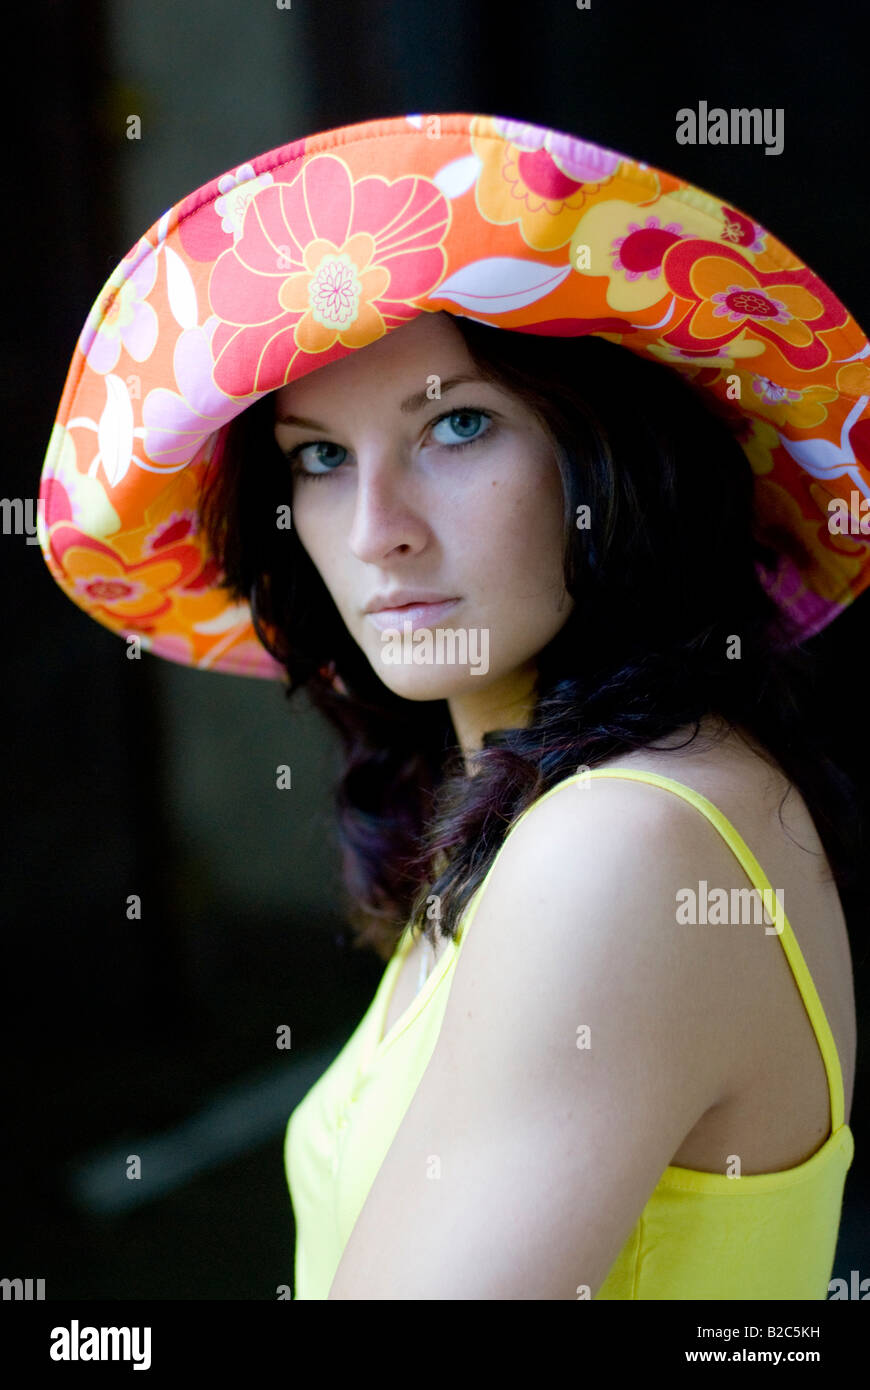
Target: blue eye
[(464, 415), (296, 455)]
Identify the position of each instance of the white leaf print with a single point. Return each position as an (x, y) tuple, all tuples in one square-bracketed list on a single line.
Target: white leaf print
[(822, 458), (115, 430), (182, 295), (501, 283), (458, 176), (233, 616)]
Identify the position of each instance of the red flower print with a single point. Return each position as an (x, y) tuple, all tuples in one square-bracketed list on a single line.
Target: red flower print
[(727, 294), (116, 592)]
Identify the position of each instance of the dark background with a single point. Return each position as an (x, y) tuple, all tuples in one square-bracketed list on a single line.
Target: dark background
[(157, 1037)]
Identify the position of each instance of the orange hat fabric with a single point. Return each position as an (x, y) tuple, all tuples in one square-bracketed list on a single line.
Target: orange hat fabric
[(316, 249)]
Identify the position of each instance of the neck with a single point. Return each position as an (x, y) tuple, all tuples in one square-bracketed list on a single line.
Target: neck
[(506, 703)]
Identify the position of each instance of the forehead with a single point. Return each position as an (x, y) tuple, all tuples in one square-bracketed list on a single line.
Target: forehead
[(430, 343)]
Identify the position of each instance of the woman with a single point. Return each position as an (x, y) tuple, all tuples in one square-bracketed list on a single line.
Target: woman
[(596, 1087)]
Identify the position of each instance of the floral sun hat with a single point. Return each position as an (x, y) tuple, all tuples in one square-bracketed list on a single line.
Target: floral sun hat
[(318, 248)]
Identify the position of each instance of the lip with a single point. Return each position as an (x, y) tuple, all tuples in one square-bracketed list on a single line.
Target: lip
[(401, 598), (417, 614)]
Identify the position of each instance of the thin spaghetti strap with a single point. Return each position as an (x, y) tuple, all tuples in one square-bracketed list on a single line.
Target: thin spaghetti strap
[(759, 880)]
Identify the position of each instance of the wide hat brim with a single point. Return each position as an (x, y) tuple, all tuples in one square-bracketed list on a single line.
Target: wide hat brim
[(317, 249)]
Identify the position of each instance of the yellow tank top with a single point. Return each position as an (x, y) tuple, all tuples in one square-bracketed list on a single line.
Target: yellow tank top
[(700, 1236)]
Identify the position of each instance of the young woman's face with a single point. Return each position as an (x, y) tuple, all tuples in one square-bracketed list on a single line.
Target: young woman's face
[(386, 498)]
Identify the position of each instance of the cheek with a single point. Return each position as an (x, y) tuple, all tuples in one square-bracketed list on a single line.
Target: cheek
[(527, 514), (312, 532), (310, 516)]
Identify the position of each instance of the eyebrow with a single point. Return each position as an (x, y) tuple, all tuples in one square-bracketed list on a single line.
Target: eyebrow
[(407, 407)]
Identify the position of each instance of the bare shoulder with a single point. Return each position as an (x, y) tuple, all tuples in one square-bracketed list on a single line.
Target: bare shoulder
[(581, 915), (627, 848), (732, 772), (728, 763)]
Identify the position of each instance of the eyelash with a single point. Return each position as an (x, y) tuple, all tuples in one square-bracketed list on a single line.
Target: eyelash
[(299, 472)]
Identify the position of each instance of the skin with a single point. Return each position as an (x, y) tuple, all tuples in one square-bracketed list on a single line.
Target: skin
[(399, 504)]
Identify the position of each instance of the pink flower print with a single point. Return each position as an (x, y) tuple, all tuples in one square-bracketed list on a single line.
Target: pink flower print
[(172, 647), (108, 588), (641, 250), (771, 392), (323, 262), (121, 315), (580, 161), (237, 190), (180, 526), (740, 230), (177, 424), (738, 303)]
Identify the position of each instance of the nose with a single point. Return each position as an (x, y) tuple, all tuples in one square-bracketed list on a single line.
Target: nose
[(390, 510)]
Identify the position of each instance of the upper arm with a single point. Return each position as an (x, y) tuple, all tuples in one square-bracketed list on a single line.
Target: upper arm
[(582, 1041)]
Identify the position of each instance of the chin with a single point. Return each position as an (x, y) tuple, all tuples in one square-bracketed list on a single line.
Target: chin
[(428, 682), (433, 663)]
